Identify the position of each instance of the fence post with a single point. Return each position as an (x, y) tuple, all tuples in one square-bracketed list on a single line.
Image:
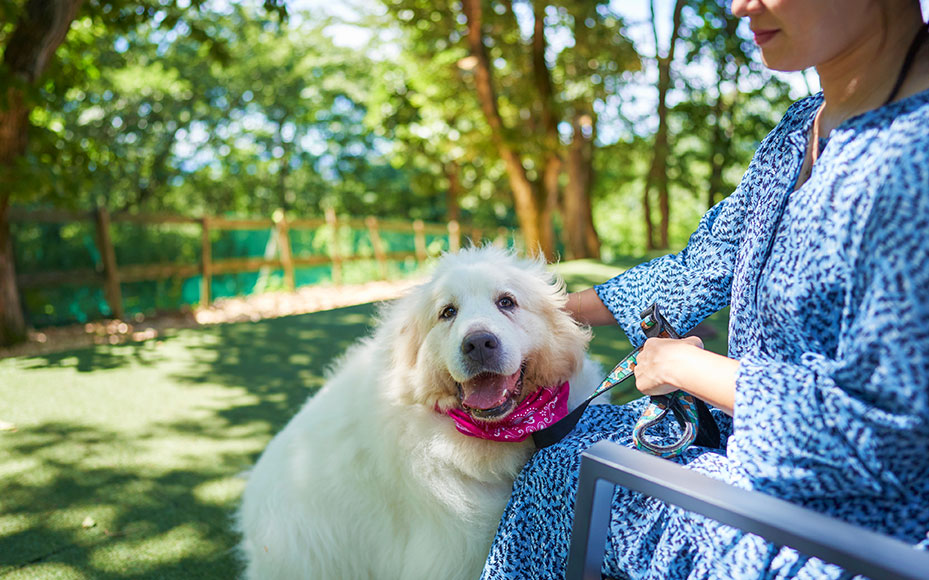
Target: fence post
[(283, 243), (477, 237), (206, 263), (111, 288), (454, 237), (371, 223), (419, 239), (334, 254)]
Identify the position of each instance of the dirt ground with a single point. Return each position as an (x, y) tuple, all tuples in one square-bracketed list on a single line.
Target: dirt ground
[(222, 311)]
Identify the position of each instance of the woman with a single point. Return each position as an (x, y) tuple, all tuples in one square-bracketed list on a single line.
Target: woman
[(822, 252)]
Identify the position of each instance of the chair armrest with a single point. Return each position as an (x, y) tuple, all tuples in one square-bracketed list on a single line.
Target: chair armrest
[(605, 465)]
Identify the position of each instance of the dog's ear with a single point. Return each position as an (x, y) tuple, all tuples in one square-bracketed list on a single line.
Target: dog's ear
[(410, 339), (406, 330)]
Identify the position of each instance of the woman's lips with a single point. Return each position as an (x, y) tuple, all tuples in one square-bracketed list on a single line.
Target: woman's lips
[(763, 36)]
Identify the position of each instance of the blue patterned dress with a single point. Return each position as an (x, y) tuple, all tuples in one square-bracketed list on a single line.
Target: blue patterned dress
[(829, 293)]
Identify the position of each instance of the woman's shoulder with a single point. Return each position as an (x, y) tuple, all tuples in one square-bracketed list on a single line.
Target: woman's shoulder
[(790, 131), (908, 123), (886, 152), (895, 136), (899, 128), (801, 111)]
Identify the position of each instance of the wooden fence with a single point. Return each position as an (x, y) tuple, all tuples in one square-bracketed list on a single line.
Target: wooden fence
[(112, 275)]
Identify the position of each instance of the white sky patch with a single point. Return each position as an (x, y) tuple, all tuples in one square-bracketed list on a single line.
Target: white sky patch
[(347, 29)]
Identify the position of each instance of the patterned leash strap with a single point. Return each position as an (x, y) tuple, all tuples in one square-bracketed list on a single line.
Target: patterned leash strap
[(654, 325), (692, 414), (685, 408), (556, 432)]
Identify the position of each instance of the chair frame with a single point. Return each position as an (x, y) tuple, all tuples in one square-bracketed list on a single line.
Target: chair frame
[(605, 465)]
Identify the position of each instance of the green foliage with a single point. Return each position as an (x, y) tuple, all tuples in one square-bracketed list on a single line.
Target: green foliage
[(242, 108), (723, 115), (208, 110), (725, 103)]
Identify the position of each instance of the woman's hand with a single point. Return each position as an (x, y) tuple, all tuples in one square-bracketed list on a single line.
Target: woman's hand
[(666, 365), (657, 362)]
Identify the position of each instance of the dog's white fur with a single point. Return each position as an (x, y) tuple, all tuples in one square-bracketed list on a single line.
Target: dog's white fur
[(368, 480)]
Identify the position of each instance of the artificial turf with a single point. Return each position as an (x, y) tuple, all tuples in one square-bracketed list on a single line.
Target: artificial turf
[(126, 461)]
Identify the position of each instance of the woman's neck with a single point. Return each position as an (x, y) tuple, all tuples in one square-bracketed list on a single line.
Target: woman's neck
[(861, 78)]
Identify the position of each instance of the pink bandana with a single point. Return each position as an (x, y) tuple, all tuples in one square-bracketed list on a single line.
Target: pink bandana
[(541, 409)]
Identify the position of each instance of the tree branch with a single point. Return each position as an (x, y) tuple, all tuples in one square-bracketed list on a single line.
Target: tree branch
[(41, 29)]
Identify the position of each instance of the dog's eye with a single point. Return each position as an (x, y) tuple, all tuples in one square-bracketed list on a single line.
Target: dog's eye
[(448, 312), (506, 303)]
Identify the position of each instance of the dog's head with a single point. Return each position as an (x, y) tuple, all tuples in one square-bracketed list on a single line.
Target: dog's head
[(485, 332)]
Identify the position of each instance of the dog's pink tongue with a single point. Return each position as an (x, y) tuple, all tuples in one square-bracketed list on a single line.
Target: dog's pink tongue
[(488, 390)]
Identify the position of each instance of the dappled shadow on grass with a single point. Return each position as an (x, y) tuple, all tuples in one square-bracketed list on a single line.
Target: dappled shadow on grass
[(100, 357), (279, 362), (149, 452), (77, 502)]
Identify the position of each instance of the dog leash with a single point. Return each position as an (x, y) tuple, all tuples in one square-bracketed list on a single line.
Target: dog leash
[(692, 414)]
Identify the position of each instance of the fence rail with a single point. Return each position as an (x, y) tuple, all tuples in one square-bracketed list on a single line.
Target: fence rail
[(112, 275)]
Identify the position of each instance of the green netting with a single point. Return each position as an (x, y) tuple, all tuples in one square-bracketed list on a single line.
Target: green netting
[(310, 242), (42, 248), (156, 243), (63, 305), (240, 243)]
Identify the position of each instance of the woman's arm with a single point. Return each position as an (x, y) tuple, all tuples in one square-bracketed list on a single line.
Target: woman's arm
[(689, 285), (853, 420), (585, 306)]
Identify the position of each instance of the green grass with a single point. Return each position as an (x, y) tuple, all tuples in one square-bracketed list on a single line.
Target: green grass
[(126, 460)]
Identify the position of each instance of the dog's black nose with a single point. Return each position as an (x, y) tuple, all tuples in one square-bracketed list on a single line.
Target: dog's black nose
[(482, 347)]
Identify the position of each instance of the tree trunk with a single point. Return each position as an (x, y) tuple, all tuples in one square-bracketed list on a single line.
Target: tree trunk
[(552, 194), (13, 130), (721, 139), (658, 172), (545, 92), (12, 323), (38, 33), (583, 241), (525, 193), (582, 238)]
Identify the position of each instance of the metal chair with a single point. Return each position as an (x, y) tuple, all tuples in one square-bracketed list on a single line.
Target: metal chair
[(605, 465)]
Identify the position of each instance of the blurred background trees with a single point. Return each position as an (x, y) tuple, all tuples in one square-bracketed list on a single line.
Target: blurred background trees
[(595, 129)]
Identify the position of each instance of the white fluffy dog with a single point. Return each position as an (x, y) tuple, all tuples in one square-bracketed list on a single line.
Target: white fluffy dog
[(401, 465)]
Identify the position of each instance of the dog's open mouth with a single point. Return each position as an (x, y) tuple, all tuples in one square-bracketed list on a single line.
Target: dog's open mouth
[(491, 396)]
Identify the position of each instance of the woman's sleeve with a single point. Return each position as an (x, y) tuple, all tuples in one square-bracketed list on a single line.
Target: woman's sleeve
[(690, 285), (856, 425)]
